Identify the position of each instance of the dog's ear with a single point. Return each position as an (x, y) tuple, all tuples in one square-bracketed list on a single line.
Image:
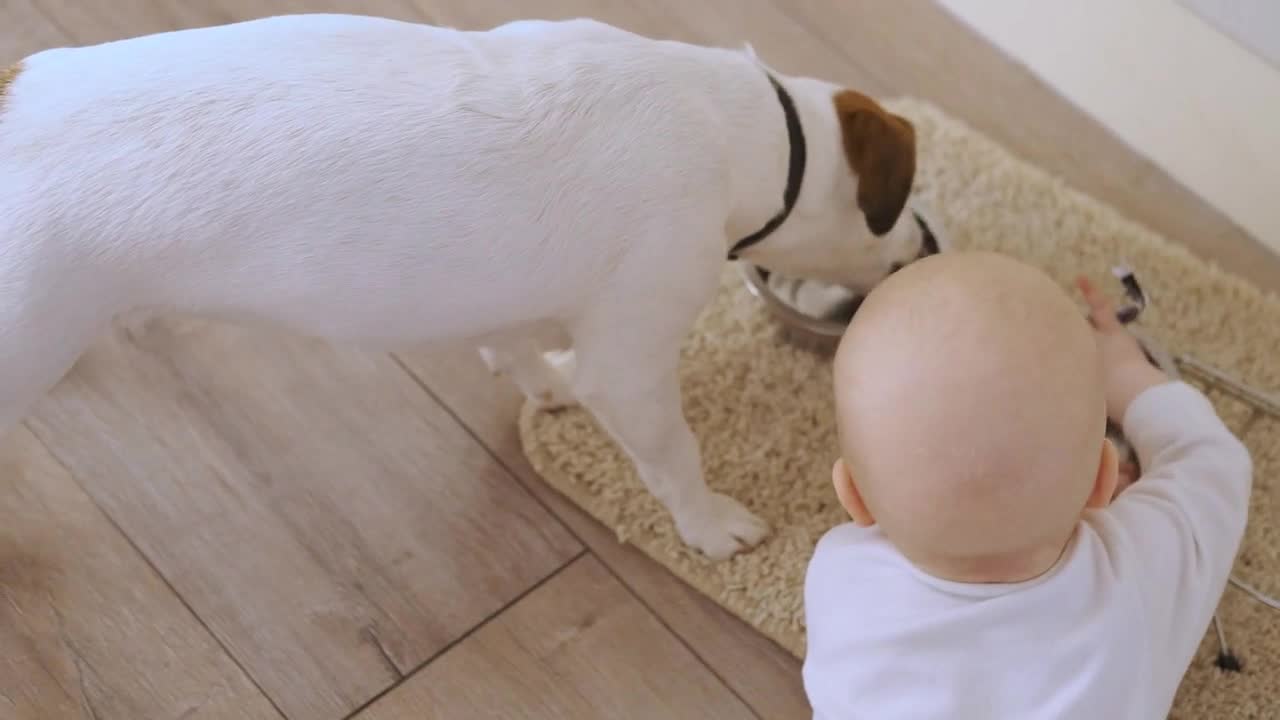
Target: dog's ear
[(881, 150)]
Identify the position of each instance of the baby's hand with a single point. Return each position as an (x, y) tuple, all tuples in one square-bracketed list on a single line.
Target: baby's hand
[(1128, 476), (1127, 371)]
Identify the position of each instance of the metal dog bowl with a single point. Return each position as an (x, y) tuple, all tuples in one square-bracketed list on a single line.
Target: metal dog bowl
[(812, 333), (817, 334)]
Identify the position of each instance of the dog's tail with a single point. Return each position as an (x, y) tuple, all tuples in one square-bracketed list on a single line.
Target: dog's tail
[(7, 76)]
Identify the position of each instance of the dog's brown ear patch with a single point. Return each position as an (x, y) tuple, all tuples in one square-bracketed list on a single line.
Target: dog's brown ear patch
[(7, 76), (881, 150)]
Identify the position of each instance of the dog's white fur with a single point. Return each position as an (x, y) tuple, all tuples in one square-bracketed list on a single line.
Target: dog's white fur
[(373, 181)]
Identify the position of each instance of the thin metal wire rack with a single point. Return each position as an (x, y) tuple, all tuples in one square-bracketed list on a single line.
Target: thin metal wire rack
[(1261, 403)]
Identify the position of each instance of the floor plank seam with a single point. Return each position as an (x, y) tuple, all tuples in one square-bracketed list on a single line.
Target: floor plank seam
[(493, 454), (163, 578), (470, 631), (376, 641), (684, 642)]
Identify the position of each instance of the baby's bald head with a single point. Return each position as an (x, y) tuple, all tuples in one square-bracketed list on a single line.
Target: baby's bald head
[(970, 403)]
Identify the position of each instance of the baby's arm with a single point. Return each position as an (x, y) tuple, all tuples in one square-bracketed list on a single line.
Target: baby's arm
[(1180, 525), (1174, 534)]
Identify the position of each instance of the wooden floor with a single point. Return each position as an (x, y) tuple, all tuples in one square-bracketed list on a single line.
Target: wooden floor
[(206, 522)]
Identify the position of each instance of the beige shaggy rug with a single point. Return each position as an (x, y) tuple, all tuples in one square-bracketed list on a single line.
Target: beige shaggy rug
[(763, 410)]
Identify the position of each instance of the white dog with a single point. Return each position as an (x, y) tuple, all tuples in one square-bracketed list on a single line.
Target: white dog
[(388, 183)]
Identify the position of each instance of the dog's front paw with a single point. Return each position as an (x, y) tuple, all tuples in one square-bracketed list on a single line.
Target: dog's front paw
[(721, 527)]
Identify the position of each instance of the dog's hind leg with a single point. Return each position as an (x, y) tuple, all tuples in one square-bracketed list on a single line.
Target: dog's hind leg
[(542, 377)]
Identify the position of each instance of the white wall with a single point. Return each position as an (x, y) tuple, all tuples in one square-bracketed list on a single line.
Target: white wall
[(1200, 106)]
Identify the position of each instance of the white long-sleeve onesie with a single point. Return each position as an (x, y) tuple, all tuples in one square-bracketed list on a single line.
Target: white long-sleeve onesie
[(1108, 632)]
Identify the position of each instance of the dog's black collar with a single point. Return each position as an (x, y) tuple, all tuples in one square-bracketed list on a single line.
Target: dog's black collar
[(928, 241), (795, 172)]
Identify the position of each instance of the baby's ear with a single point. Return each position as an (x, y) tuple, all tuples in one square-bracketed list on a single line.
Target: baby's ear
[(849, 496), (1104, 485)]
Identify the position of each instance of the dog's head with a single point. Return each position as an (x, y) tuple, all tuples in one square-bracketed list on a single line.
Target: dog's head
[(851, 225)]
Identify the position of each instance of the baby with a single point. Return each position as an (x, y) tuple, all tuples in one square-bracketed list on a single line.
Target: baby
[(991, 571)]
